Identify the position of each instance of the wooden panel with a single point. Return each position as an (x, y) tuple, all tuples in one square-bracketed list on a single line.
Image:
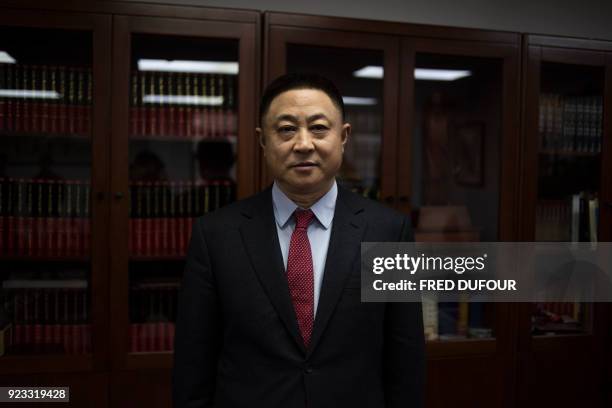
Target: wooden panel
[(150, 388), (464, 383), (567, 42), (138, 8), (384, 27)]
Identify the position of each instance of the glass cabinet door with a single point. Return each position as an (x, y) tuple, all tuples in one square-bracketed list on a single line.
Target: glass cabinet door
[(456, 149), (182, 164), (46, 124), (184, 143), (570, 129)]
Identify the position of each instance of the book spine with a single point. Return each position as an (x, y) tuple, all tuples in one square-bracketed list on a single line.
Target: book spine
[(87, 124), (163, 131), (172, 219), (180, 109)]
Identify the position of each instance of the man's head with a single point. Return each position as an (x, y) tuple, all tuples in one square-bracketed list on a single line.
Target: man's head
[(302, 132)]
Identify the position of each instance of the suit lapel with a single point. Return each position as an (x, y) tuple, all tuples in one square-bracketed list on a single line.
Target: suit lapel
[(347, 230), (261, 242)]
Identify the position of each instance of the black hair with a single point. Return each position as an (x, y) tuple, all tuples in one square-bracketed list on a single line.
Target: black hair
[(292, 81)]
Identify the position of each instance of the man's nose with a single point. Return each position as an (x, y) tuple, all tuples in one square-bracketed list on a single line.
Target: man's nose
[(303, 142)]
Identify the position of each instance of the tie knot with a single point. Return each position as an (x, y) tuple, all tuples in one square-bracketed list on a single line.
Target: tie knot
[(303, 218)]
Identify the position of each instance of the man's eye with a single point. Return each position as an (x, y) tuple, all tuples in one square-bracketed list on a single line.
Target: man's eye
[(318, 128), (286, 129)]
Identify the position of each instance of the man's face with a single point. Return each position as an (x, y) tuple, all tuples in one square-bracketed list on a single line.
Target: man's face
[(303, 140)]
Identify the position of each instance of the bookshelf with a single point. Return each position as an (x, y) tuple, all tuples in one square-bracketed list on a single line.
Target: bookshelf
[(183, 119), (567, 157), (52, 178)]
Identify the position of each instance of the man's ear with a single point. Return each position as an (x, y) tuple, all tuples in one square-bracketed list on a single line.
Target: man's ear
[(346, 133), (260, 135)]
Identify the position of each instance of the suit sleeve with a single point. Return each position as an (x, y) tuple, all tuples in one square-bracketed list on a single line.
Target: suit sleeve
[(197, 329), (404, 354)]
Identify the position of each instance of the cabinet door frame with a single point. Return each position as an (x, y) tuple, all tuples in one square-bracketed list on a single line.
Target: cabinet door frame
[(280, 35), (123, 27), (100, 28), (536, 50), (507, 50)]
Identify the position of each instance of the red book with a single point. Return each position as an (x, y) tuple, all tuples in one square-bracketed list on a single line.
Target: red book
[(160, 329), (138, 233), (171, 336), (67, 338), (133, 338), (172, 221), (10, 235), (19, 334), (148, 220), (27, 317), (87, 235), (77, 341), (138, 218), (29, 236), (142, 337), (76, 237), (180, 219), (151, 341), (156, 218)]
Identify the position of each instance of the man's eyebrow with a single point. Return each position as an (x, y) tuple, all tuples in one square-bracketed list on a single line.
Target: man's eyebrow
[(287, 117), (316, 116)]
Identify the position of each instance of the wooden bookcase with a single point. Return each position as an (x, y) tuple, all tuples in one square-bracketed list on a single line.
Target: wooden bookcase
[(567, 155), (135, 166), (394, 114)]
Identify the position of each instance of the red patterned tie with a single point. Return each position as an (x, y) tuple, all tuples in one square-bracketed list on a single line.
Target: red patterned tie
[(300, 274)]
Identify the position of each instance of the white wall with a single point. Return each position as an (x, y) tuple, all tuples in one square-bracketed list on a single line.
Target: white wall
[(576, 18)]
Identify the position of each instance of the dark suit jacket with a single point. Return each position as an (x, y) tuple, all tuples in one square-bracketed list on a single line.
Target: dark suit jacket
[(237, 339)]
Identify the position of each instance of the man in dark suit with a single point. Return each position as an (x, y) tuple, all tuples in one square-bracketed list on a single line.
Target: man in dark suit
[(269, 310)]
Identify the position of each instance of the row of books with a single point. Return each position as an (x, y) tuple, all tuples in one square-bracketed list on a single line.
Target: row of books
[(575, 219), (169, 122), (49, 338), (571, 123), (46, 99), (153, 301), (44, 236), (183, 105), (151, 337), (152, 314), (47, 315), (44, 197), (454, 320), (179, 198), (46, 301)]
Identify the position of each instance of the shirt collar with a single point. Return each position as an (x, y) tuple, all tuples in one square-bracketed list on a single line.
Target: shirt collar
[(323, 209)]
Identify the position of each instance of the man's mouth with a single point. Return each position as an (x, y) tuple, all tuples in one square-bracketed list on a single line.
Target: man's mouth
[(304, 164)]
